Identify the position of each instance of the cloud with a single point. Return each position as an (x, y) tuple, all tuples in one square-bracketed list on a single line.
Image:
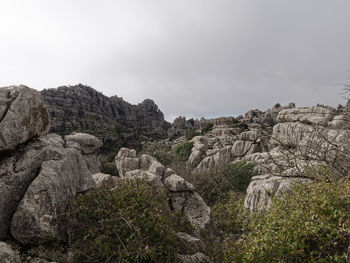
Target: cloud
[(193, 57)]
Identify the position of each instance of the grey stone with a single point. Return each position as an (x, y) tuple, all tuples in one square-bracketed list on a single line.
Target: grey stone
[(7, 255), (23, 116), (84, 142)]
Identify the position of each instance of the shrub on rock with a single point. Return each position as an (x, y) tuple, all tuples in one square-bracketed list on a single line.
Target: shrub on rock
[(309, 224), (132, 223)]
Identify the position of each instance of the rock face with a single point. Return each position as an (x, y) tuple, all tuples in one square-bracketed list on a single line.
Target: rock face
[(22, 116), (60, 175), (182, 194), (8, 255), (303, 139), (40, 176), (85, 109), (263, 188)]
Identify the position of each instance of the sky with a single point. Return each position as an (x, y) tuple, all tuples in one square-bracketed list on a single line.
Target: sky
[(192, 57)]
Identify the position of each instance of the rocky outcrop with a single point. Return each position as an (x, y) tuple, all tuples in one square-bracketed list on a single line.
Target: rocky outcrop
[(22, 116), (304, 139), (310, 115), (82, 108), (100, 179), (62, 174), (263, 188), (182, 194), (7, 255), (40, 175)]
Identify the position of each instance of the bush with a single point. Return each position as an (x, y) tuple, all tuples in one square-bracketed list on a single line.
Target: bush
[(191, 133), (161, 152), (183, 150), (207, 128), (216, 184), (108, 165), (309, 224), (131, 224), (229, 216)]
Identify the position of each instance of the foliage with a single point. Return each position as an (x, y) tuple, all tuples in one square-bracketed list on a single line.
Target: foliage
[(191, 133), (207, 128), (309, 224), (131, 224), (162, 153), (108, 165), (174, 136), (216, 184), (229, 216), (183, 150), (277, 105)]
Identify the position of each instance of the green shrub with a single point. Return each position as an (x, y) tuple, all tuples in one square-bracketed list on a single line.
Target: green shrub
[(131, 224), (215, 184), (108, 165), (309, 224), (229, 216), (175, 136), (162, 153), (183, 150), (191, 133), (207, 128)]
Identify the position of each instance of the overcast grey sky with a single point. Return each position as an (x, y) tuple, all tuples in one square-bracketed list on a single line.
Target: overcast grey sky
[(193, 57)]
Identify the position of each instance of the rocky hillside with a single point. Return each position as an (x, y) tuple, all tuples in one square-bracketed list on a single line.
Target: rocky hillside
[(81, 108)]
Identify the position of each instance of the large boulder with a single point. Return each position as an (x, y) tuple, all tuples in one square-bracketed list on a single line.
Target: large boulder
[(84, 142), (63, 173), (23, 116), (263, 188), (126, 160), (309, 115), (7, 255)]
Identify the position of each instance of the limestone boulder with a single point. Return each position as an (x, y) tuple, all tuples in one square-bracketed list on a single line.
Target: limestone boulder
[(23, 116), (47, 196), (192, 243), (18, 169), (126, 160), (8, 255), (100, 179), (309, 115), (263, 188), (84, 142), (176, 183)]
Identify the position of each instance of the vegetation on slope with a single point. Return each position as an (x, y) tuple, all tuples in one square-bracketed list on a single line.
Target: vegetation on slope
[(130, 224)]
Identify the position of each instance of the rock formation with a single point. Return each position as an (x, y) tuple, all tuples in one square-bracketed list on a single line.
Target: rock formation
[(303, 139), (81, 108), (39, 174), (22, 116), (182, 194)]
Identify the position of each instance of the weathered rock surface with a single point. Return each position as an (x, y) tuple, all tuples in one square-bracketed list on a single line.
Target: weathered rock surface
[(7, 255), (61, 173), (304, 138), (196, 258), (263, 188), (85, 109), (101, 178), (182, 194), (126, 160), (309, 115), (192, 243), (84, 142), (23, 116)]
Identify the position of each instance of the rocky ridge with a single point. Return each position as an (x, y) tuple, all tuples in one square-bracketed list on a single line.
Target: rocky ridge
[(81, 108)]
